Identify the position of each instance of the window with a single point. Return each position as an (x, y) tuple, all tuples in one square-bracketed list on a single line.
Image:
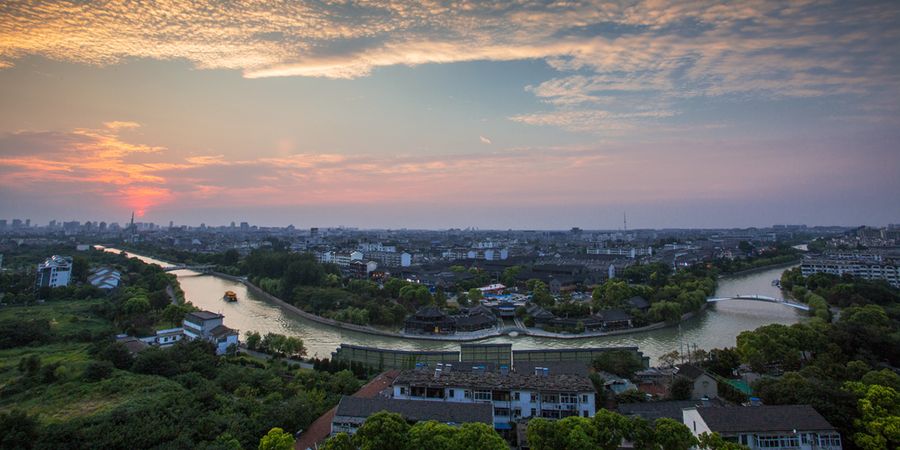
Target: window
[(516, 395), (483, 395), (533, 412), (402, 391), (830, 440), (568, 398), (584, 413), (517, 412), (535, 397), (467, 394), (584, 398), (450, 393)]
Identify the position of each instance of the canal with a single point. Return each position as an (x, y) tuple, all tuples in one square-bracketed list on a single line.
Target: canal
[(717, 327)]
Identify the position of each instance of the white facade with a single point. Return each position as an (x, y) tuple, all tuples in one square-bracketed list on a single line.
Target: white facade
[(794, 439), (55, 271), (509, 404), (208, 326), (866, 269)]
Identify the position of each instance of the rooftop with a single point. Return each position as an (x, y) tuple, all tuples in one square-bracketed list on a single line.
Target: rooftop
[(492, 380), (414, 410), (203, 315), (764, 418)]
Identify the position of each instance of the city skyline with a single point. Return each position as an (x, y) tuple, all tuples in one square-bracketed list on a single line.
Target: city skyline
[(420, 115)]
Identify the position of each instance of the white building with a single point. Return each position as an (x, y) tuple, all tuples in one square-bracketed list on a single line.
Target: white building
[(865, 269), (787, 427), (208, 326), (55, 271), (513, 395)]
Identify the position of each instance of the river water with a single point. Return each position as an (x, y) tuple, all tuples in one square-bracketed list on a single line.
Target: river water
[(715, 328)]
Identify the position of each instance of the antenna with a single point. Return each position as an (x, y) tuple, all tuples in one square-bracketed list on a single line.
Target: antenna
[(624, 221)]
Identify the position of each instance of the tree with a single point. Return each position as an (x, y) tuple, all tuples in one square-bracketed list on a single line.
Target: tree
[(665, 311), (18, 430), (340, 441), (879, 422), (474, 295), (714, 441), (543, 434), (432, 435), (276, 439), (383, 431), (623, 363), (681, 388), (673, 435), (477, 435), (611, 429), (541, 295), (253, 339)]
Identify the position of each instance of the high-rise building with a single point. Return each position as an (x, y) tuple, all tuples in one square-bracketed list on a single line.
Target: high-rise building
[(55, 271)]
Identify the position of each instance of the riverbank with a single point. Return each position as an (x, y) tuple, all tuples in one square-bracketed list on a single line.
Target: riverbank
[(455, 338), (761, 269)]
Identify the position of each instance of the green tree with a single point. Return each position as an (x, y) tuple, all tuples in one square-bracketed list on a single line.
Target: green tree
[(665, 311), (477, 435), (432, 435), (714, 441), (340, 441), (623, 363), (18, 430), (673, 435), (681, 388), (879, 422), (611, 429), (383, 431), (541, 295), (543, 434), (276, 439), (474, 295), (253, 340)]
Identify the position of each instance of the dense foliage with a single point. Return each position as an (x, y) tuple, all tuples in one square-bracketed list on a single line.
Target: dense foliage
[(390, 431), (65, 384)]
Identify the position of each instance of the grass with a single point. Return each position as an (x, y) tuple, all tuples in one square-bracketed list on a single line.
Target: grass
[(66, 316), (73, 397)]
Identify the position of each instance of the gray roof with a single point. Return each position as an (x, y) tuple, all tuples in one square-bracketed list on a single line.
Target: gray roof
[(690, 371), (614, 315), (638, 302), (492, 380), (204, 315), (417, 410), (656, 410), (764, 418), (556, 367), (221, 331)]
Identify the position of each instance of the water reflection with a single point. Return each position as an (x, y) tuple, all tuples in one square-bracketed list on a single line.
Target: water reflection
[(718, 327)]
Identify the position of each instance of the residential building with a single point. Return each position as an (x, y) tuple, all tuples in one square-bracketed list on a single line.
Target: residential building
[(55, 271), (105, 278), (868, 269), (208, 326), (351, 412), (513, 395), (704, 385), (794, 427)]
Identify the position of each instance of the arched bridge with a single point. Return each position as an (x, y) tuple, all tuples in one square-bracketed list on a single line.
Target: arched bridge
[(759, 298), (204, 268)]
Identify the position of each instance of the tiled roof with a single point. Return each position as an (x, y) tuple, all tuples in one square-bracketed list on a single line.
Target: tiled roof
[(416, 410), (221, 330), (764, 418), (204, 315), (690, 371)]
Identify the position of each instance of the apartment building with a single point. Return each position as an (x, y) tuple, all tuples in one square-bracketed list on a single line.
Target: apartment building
[(55, 271), (513, 395), (868, 269)]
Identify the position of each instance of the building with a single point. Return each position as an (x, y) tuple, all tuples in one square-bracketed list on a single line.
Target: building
[(795, 427), (513, 395), (55, 271), (704, 385), (105, 278), (165, 338), (208, 326), (352, 412), (430, 319), (866, 269)]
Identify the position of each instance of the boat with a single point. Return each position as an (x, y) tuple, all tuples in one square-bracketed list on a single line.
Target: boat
[(230, 296)]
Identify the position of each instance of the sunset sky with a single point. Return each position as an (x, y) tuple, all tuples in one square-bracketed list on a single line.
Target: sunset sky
[(431, 114)]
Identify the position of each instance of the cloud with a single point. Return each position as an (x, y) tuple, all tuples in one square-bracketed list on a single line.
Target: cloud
[(484, 140), (613, 57)]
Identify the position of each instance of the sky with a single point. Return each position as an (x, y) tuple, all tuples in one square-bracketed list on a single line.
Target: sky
[(428, 114)]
